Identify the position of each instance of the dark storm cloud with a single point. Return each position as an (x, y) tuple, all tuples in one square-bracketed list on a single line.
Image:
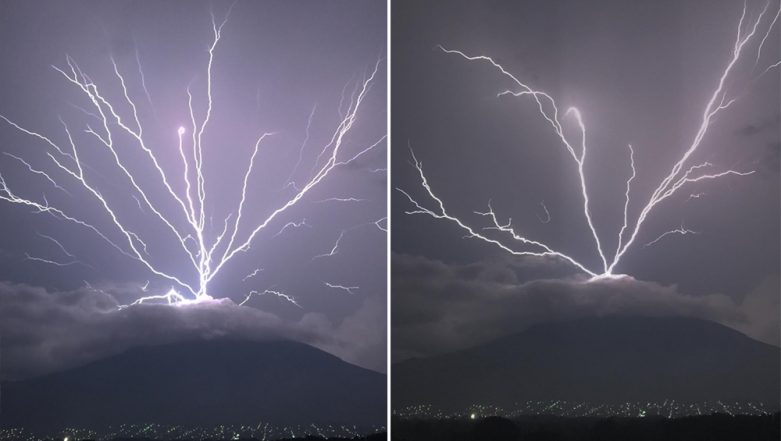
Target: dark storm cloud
[(439, 307), (48, 331)]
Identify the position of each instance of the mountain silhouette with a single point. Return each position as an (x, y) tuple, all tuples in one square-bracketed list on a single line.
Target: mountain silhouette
[(201, 383), (601, 360)]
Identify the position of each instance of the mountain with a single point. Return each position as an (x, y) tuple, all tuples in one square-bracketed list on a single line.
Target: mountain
[(201, 383), (605, 360)]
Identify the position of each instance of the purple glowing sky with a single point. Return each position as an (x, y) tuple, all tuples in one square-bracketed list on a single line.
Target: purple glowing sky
[(274, 64)]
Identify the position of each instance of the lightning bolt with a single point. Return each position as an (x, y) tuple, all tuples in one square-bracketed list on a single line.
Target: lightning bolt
[(279, 294), (59, 245), (172, 297), (48, 261), (206, 254), (681, 174), (440, 212), (252, 274), (38, 172), (347, 199), (138, 202), (293, 224), (347, 289), (142, 77), (301, 149), (767, 34), (74, 260), (334, 249), (547, 217), (681, 231), (378, 223)]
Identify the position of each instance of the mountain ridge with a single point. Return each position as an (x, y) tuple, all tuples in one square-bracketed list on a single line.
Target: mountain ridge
[(200, 383), (611, 359)]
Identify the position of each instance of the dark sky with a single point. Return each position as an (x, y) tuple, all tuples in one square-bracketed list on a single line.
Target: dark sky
[(275, 62), (641, 74)]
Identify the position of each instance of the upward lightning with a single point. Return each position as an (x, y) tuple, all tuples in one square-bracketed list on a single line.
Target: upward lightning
[(681, 173), (205, 253)]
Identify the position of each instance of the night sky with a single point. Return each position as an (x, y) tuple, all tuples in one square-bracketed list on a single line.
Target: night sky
[(276, 62), (641, 74)]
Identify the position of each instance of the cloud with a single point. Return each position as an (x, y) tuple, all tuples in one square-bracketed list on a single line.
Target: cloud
[(439, 307), (44, 331), (763, 306), (364, 334)]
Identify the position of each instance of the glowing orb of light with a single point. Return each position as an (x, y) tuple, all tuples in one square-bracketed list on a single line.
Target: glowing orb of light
[(181, 130)]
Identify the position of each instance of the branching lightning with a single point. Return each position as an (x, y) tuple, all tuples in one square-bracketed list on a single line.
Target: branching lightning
[(206, 254), (334, 249), (59, 245), (270, 292), (252, 274), (544, 219), (347, 199), (73, 259), (681, 231), (347, 289), (378, 223), (293, 224), (681, 173)]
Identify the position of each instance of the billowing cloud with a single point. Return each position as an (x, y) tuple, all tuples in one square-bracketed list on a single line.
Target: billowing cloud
[(46, 331), (363, 335), (762, 307), (439, 307)]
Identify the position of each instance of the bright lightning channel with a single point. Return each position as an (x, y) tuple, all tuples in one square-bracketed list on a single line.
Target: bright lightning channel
[(681, 173), (207, 256), (347, 289), (334, 249), (680, 231), (279, 294)]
